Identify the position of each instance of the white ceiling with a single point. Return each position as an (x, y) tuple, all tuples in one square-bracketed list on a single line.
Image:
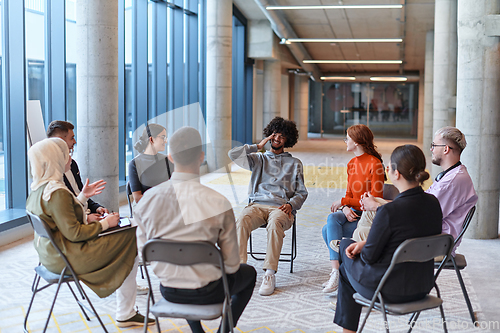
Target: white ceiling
[(410, 23)]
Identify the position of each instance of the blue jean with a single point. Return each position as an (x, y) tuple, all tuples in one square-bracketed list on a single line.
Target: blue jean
[(337, 227)]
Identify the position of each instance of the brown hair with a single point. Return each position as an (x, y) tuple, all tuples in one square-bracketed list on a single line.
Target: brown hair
[(59, 127), (409, 160), (362, 135)]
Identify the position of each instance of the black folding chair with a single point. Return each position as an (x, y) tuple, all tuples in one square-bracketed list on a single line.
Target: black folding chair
[(67, 275), (458, 263), (129, 194), (293, 251), (186, 254), (412, 250)]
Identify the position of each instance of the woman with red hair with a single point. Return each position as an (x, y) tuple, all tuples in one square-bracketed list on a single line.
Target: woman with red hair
[(365, 173)]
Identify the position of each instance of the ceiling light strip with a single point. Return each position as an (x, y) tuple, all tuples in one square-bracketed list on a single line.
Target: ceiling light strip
[(388, 78), (351, 78), (381, 62), (344, 40), (335, 7)]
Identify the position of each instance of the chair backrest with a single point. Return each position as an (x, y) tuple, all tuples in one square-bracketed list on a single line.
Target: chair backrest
[(390, 192), (129, 193), (419, 250), (465, 225), (182, 253), (43, 230)]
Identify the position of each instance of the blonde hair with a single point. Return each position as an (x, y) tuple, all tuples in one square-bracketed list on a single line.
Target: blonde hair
[(453, 135)]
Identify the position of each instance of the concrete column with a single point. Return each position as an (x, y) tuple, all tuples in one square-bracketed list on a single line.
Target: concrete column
[(301, 112), (97, 95), (219, 89), (428, 93), (445, 63), (272, 90), (477, 110)]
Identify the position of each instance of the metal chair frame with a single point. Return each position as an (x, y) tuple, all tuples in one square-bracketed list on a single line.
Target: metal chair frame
[(461, 263), (412, 250), (293, 251), (67, 275), (186, 254)]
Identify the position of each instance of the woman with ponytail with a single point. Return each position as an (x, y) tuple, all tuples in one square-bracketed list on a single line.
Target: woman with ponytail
[(149, 168), (365, 173), (412, 214)]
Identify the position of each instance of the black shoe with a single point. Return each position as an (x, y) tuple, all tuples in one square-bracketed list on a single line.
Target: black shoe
[(136, 320)]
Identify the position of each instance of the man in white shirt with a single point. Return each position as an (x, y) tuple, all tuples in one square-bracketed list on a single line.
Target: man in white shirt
[(183, 209)]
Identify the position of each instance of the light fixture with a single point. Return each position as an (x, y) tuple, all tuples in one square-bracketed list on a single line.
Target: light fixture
[(381, 62), (349, 78), (335, 7), (341, 40), (388, 78)]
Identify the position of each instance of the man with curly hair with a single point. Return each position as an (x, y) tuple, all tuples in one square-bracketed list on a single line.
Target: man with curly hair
[(276, 192)]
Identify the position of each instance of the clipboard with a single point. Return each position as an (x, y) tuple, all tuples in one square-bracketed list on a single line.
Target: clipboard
[(124, 224)]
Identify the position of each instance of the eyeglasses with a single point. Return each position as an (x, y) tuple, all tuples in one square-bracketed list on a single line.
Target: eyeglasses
[(345, 140), (433, 145), (162, 137)]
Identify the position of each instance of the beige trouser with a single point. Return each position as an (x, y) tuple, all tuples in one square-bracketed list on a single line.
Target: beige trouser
[(253, 216), (365, 223)]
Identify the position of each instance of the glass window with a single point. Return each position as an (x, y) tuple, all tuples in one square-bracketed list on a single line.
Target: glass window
[(35, 50), (71, 62), (389, 109), (129, 105), (2, 151)]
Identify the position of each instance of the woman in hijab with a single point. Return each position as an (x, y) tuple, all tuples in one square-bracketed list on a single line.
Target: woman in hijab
[(105, 263)]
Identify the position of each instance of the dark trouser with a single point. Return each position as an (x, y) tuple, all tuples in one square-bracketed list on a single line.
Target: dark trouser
[(241, 285), (348, 311)]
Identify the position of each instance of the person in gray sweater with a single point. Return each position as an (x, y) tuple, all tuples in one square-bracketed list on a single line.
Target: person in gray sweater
[(276, 192)]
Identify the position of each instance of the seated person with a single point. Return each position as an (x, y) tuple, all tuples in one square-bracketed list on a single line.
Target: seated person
[(64, 130), (105, 263), (364, 263), (276, 192), (453, 186), (149, 168), (365, 172), (184, 210)]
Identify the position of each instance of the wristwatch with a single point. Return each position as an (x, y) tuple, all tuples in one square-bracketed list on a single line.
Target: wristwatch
[(341, 207)]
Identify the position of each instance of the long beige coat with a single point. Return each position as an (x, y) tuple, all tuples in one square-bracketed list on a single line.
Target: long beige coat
[(102, 263)]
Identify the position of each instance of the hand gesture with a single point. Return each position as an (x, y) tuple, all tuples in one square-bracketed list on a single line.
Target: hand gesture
[(113, 219), (368, 202), (335, 206), (94, 217), (350, 214), (89, 190), (287, 209), (261, 144), (102, 210), (354, 249)]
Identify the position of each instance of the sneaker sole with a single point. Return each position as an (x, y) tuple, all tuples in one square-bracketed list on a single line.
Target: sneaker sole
[(130, 323)]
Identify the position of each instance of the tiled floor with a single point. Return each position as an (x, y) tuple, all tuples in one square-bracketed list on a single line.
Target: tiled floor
[(298, 303)]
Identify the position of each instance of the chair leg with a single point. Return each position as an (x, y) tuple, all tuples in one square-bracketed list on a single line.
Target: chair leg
[(92, 309), (54, 301), (34, 287), (142, 273), (413, 320), (78, 302), (464, 292), (441, 309)]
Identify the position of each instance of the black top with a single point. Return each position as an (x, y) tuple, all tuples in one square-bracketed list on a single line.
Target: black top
[(92, 205), (146, 171), (412, 214)]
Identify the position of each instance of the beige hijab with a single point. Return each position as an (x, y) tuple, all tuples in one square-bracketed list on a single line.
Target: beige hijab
[(48, 159)]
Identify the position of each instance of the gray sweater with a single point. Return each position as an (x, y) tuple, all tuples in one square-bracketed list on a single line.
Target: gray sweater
[(276, 179)]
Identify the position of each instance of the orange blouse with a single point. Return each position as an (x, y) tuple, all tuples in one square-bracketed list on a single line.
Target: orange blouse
[(365, 173)]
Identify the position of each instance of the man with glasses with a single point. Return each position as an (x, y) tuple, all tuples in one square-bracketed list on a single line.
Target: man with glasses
[(453, 186), (64, 130)]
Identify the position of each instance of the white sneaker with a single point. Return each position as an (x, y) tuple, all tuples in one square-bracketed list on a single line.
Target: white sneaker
[(268, 285), (332, 305), (142, 290), (334, 245), (333, 283)]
